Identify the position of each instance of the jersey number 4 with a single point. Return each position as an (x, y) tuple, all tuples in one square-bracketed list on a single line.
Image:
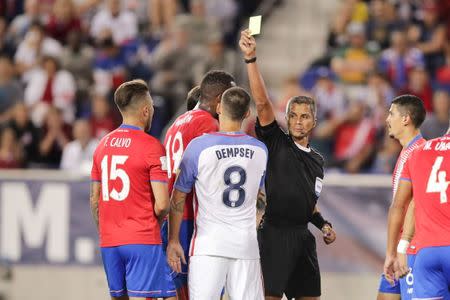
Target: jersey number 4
[(437, 181), (234, 177), (112, 174)]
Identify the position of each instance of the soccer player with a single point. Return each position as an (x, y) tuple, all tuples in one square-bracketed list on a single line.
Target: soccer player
[(193, 97), (129, 198), (226, 169), (406, 115), (186, 127), (426, 179), (293, 186)]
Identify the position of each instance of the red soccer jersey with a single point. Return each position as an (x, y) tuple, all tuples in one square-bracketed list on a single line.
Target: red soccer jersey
[(125, 162), (399, 166), (428, 169), (186, 127)]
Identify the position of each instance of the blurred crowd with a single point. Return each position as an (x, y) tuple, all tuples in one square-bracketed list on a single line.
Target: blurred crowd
[(376, 50), (61, 60)]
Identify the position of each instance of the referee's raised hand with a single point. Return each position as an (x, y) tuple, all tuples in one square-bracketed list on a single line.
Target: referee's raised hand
[(247, 44)]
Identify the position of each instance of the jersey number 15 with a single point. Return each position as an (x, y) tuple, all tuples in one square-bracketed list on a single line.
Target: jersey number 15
[(114, 173)]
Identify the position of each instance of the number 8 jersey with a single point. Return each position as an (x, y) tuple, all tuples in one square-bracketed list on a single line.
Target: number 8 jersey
[(227, 170), (125, 162)]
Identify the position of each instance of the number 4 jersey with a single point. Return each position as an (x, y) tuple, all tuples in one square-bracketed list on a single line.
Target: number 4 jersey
[(125, 162), (428, 169), (227, 169)]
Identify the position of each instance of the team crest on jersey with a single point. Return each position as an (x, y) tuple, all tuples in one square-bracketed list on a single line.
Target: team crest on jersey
[(319, 185), (163, 160)]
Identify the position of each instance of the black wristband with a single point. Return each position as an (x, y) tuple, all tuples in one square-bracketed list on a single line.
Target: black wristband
[(319, 221), (250, 60)]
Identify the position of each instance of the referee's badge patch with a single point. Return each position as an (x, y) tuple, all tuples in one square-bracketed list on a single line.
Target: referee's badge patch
[(319, 185)]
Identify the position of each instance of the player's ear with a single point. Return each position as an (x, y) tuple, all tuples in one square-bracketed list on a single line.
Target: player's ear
[(247, 114), (219, 108)]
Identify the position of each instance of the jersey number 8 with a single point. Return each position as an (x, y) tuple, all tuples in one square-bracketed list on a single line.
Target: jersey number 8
[(234, 186)]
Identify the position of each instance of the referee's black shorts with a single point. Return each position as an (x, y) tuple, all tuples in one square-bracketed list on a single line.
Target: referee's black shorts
[(289, 261)]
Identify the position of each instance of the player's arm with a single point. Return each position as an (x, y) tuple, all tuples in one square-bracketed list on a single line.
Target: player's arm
[(264, 107), (161, 199), (409, 223), (94, 198), (329, 235), (396, 217)]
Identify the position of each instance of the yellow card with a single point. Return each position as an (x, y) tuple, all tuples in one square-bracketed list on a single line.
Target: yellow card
[(254, 25)]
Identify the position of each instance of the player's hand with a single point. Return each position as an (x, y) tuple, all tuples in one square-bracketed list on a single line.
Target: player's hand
[(175, 256), (329, 235), (402, 266), (390, 265), (247, 44)]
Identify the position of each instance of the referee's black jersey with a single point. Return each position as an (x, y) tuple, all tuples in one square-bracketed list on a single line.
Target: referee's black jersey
[(293, 177)]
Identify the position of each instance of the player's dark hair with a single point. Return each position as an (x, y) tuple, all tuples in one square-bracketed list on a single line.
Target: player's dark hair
[(236, 103), (412, 106), (129, 93), (193, 97), (214, 83), (302, 100)]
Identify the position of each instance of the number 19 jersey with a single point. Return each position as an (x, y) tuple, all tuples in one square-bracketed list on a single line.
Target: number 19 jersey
[(186, 127), (227, 169), (125, 162), (428, 169)]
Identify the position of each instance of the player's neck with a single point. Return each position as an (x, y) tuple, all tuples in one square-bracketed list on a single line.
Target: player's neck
[(229, 126), (207, 108), (132, 122), (303, 141), (408, 136)]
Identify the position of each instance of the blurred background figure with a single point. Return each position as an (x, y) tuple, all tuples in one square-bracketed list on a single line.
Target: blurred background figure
[(11, 153), (77, 154), (436, 122), (11, 91), (50, 86)]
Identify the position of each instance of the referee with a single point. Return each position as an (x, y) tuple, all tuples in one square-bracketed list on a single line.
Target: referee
[(293, 185)]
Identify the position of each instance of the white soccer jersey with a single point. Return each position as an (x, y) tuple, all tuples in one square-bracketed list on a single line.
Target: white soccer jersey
[(226, 169)]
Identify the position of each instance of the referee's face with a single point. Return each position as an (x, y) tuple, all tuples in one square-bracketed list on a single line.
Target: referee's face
[(300, 121)]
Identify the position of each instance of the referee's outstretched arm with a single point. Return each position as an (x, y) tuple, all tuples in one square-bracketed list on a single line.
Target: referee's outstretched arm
[(264, 107)]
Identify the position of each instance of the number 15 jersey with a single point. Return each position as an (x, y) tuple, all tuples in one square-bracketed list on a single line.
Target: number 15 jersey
[(227, 169), (125, 162)]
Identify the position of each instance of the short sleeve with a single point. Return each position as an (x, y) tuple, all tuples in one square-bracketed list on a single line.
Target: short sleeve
[(406, 174), (95, 172), (269, 134), (188, 169), (157, 163), (263, 179)]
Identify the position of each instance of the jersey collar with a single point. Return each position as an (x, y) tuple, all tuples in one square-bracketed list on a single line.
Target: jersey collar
[(415, 139), (229, 133), (125, 126)]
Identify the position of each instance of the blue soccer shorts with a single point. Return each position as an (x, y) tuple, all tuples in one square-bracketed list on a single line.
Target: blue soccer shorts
[(186, 231), (137, 271), (432, 273), (386, 288), (406, 283)]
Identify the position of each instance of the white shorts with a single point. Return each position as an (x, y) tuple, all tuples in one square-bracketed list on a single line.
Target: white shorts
[(242, 278)]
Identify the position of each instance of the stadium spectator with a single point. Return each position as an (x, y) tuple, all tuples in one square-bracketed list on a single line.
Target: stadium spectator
[(77, 154), (382, 20), (443, 73), (26, 132), (161, 14), (63, 20), (6, 47), (354, 62), (399, 59), (21, 23), (429, 36), (50, 86), (419, 85), (11, 92), (34, 45), (436, 123), (101, 121), (11, 153), (114, 21), (56, 135)]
